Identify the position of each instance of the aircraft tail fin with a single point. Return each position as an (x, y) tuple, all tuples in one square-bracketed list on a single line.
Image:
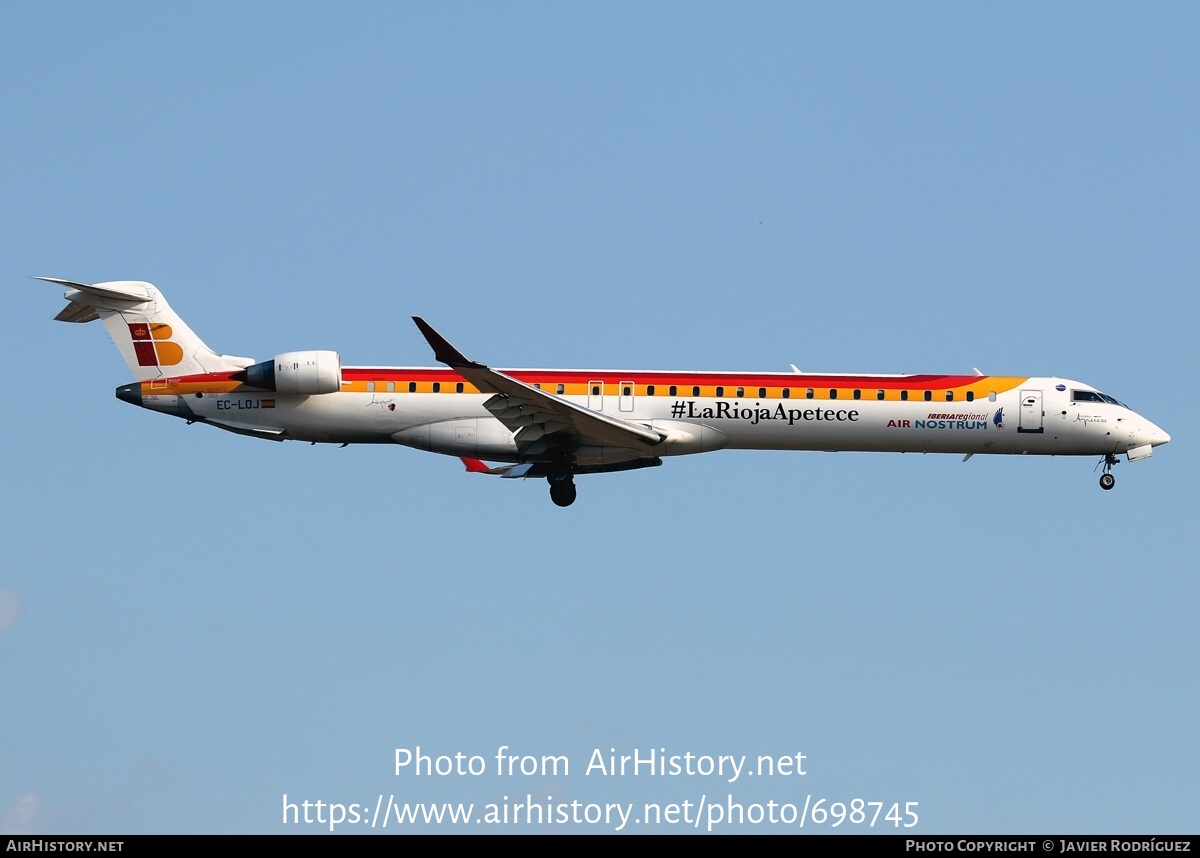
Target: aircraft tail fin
[(151, 337)]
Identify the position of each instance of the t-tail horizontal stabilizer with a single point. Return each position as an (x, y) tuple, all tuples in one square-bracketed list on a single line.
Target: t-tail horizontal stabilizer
[(125, 294)]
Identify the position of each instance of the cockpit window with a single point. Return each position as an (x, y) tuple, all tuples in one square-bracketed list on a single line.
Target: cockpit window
[(1095, 396)]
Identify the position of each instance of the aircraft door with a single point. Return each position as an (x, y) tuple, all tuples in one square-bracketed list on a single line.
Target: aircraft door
[(1031, 412), (596, 395), (625, 401)]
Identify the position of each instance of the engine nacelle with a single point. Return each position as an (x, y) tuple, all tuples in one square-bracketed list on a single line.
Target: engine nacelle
[(300, 373)]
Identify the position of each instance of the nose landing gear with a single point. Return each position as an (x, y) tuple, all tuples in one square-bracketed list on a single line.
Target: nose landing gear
[(1107, 480)]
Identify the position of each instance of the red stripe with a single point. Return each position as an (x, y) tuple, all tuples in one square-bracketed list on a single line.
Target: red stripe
[(683, 379), (613, 377)]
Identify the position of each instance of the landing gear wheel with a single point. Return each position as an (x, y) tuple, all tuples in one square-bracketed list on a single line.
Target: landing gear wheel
[(1107, 480), (563, 492)]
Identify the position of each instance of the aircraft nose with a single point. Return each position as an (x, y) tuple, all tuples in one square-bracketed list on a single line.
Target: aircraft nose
[(1154, 435)]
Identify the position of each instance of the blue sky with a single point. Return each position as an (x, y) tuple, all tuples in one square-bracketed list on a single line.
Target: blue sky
[(193, 624)]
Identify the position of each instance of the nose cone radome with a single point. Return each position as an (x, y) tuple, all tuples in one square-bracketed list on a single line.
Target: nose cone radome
[(1151, 434)]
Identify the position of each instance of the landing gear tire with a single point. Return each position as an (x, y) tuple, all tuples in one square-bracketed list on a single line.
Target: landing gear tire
[(1107, 480), (563, 492)]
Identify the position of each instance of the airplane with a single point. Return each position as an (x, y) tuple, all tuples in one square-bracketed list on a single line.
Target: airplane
[(556, 424)]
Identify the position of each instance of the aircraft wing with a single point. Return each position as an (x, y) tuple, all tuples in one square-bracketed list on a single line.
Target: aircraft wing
[(532, 413)]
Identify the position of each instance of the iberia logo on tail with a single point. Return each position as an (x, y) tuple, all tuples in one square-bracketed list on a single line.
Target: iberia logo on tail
[(151, 343)]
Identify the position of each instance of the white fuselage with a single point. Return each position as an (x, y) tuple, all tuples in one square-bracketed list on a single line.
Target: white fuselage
[(797, 412), (556, 423)]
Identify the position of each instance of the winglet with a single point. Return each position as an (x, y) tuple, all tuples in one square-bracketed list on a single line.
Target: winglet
[(442, 350), (510, 472)]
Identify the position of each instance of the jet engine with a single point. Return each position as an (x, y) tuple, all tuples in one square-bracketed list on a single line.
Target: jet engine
[(300, 373)]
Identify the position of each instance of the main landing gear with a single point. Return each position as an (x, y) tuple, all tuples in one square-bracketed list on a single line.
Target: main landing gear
[(562, 482), (1107, 480), (562, 488)]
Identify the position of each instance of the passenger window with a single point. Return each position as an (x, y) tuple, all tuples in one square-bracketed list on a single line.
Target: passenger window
[(928, 395), (832, 393), (458, 388), (741, 391), (560, 389), (991, 396), (391, 387), (370, 387), (787, 393), (904, 396), (720, 391), (879, 394), (695, 391), (412, 387), (762, 393), (858, 394), (970, 396), (627, 391), (949, 395), (671, 390), (595, 390), (808, 394), (536, 384), (437, 387)]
